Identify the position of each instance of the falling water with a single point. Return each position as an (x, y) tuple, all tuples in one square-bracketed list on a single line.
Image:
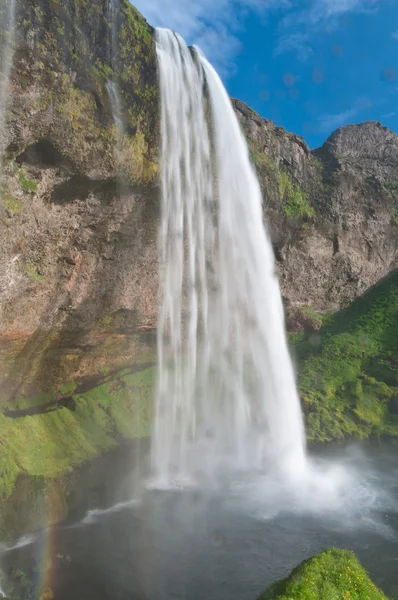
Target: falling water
[(7, 19), (114, 99), (226, 394), (111, 86)]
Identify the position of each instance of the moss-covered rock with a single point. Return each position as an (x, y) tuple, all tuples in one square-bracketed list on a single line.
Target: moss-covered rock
[(331, 575), (42, 444), (78, 196), (66, 55), (347, 371)]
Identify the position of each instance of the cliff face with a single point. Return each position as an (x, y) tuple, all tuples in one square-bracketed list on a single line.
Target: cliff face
[(332, 213), (79, 205), (79, 211)]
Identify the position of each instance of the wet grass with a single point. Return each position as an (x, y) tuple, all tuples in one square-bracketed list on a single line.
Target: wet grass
[(348, 370), (331, 575), (50, 444)]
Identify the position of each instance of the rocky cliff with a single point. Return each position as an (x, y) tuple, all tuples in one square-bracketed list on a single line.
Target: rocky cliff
[(79, 209), (332, 212), (79, 206)]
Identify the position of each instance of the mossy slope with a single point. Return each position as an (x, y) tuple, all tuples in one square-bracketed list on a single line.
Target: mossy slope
[(348, 371), (331, 575), (38, 451)]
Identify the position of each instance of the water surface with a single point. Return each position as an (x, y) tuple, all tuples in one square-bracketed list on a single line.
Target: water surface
[(224, 542)]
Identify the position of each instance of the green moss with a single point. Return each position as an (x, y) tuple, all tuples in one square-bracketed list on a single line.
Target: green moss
[(68, 388), (395, 213), (27, 185), (389, 186), (31, 271), (86, 57), (294, 199), (297, 205), (103, 71), (12, 205), (331, 575), (260, 159), (347, 371), (317, 318), (119, 408)]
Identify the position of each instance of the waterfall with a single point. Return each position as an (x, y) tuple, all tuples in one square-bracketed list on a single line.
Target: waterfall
[(111, 86), (114, 99), (7, 22), (226, 394)]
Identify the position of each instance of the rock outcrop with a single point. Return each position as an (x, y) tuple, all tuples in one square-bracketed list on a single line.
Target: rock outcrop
[(332, 213), (334, 573), (78, 212), (79, 206)]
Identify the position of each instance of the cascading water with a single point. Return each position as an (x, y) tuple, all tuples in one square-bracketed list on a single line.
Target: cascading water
[(226, 394), (7, 19), (111, 86), (114, 99)]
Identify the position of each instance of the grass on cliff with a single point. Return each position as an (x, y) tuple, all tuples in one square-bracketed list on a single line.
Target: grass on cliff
[(51, 444), (348, 370), (294, 199), (331, 575)]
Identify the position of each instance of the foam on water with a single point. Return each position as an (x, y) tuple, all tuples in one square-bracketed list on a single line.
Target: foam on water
[(95, 515), (25, 540)]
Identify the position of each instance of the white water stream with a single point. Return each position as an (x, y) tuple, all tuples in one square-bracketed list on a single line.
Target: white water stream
[(226, 395), (7, 22)]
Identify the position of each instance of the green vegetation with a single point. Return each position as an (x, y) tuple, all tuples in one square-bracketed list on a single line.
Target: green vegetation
[(348, 371), (31, 271), (389, 186), (331, 575), (12, 205), (279, 184), (27, 185), (318, 319), (294, 199), (260, 159), (119, 408), (395, 212), (103, 71), (83, 130)]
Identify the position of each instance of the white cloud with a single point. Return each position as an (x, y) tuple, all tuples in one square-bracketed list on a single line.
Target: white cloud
[(330, 10), (213, 25), (389, 115), (327, 123), (297, 43), (395, 35), (310, 17)]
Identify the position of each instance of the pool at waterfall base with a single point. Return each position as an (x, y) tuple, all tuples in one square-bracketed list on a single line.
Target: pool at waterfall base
[(220, 541)]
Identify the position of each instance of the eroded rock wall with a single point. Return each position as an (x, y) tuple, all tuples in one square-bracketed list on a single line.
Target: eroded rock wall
[(79, 202), (332, 213), (79, 207)]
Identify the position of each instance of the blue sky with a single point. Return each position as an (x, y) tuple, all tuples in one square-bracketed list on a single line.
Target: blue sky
[(309, 65)]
